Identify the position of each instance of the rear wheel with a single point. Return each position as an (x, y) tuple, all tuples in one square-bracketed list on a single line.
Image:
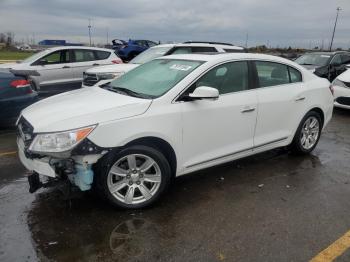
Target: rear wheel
[(134, 177), (308, 133)]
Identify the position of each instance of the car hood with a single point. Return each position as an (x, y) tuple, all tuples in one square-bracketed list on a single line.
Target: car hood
[(310, 67), (112, 68), (9, 65), (82, 107)]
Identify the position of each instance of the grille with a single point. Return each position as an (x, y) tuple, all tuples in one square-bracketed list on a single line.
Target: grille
[(343, 100), (25, 131), (90, 79)]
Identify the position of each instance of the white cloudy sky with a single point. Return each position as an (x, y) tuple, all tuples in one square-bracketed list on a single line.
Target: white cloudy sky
[(277, 22)]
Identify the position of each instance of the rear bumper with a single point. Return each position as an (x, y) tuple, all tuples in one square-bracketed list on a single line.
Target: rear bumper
[(41, 166)]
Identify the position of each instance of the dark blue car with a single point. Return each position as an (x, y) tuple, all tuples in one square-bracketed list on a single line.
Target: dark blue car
[(127, 50), (16, 93)]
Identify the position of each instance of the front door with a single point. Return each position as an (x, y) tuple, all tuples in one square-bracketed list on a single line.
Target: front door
[(217, 130)]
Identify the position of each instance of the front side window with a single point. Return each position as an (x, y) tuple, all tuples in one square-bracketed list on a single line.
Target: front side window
[(155, 78), (82, 55), (272, 74), (57, 57), (227, 78), (336, 60), (345, 58)]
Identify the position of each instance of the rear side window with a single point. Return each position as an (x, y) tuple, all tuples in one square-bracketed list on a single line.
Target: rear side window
[(272, 74), (295, 75), (194, 49), (234, 50), (100, 55), (84, 55)]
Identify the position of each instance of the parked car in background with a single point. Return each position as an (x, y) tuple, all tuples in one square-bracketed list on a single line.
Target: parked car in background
[(103, 74), (341, 86), (325, 64), (16, 93), (61, 68), (169, 117), (127, 50)]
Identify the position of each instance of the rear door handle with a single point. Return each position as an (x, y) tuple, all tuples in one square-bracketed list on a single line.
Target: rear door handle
[(248, 109), (300, 98), (66, 67)]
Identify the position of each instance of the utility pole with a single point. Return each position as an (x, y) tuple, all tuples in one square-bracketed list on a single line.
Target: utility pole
[(335, 25), (107, 37), (89, 26), (246, 40)]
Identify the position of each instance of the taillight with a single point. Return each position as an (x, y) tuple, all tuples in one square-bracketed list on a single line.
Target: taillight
[(331, 88), (19, 83), (117, 61)]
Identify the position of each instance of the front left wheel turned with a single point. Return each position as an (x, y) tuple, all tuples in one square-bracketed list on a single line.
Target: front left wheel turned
[(134, 177)]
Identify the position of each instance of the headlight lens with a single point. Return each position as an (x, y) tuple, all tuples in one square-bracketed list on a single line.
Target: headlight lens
[(59, 142), (337, 82), (110, 75)]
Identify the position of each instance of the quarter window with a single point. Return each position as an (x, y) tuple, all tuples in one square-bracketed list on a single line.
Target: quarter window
[(272, 74), (84, 55), (295, 75), (102, 55), (227, 78)]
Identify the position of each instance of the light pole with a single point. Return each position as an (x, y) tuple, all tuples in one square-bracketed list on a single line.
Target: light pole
[(335, 25), (89, 26)]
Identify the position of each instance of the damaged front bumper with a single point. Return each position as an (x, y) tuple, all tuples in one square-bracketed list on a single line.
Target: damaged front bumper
[(74, 166)]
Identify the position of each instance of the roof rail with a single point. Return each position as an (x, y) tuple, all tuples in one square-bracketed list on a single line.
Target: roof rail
[(206, 42)]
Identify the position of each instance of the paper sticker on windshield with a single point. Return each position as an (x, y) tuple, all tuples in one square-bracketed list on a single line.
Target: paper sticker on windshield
[(326, 56), (181, 67)]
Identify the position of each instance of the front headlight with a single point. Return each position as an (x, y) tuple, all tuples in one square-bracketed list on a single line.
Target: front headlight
[(110, 75), (59, 142), (337, 82)]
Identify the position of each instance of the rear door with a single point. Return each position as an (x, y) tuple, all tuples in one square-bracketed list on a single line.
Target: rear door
[(54, 69), (83, 60), (281, 102)]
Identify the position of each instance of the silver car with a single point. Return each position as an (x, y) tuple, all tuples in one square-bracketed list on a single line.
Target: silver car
[(61, 68)]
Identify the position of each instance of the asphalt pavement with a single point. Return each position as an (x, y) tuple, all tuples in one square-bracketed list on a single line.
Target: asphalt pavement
[(269, 207)]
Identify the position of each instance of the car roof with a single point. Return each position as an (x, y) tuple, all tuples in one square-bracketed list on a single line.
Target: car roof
[(207, 44), (57, 48), (223, 57), (328, 52)]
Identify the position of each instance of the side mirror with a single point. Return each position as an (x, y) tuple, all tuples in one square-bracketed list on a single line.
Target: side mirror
[(204, 92)]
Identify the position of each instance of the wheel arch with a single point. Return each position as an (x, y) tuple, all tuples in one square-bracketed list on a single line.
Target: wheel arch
[(160, 144), (319, 111)]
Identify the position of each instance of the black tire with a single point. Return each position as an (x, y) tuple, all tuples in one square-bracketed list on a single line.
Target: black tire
[(105, 164), (296, 146)]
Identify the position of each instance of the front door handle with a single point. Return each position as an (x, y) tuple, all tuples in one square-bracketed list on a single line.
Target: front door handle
[(300, 98), (95, 64), (66, 67), (248, 109)]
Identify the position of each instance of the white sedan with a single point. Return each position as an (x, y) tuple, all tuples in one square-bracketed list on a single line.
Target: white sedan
[(61, 68), (169, 117), (341, 86)]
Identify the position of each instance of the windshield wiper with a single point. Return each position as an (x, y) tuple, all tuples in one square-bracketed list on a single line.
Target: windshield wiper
[(125, 91), (306, 64)]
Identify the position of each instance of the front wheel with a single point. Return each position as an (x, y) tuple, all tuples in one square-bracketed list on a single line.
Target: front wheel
[(134, 177), (308, 134)]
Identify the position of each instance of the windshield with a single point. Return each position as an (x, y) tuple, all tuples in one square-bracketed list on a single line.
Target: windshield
[(35, 57), (155, 78), (313, 59), (150, 54)]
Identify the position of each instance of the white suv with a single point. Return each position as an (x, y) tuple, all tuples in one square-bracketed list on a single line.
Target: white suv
[(169, 117), (341, 86), (61, 68), (104, 74)]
